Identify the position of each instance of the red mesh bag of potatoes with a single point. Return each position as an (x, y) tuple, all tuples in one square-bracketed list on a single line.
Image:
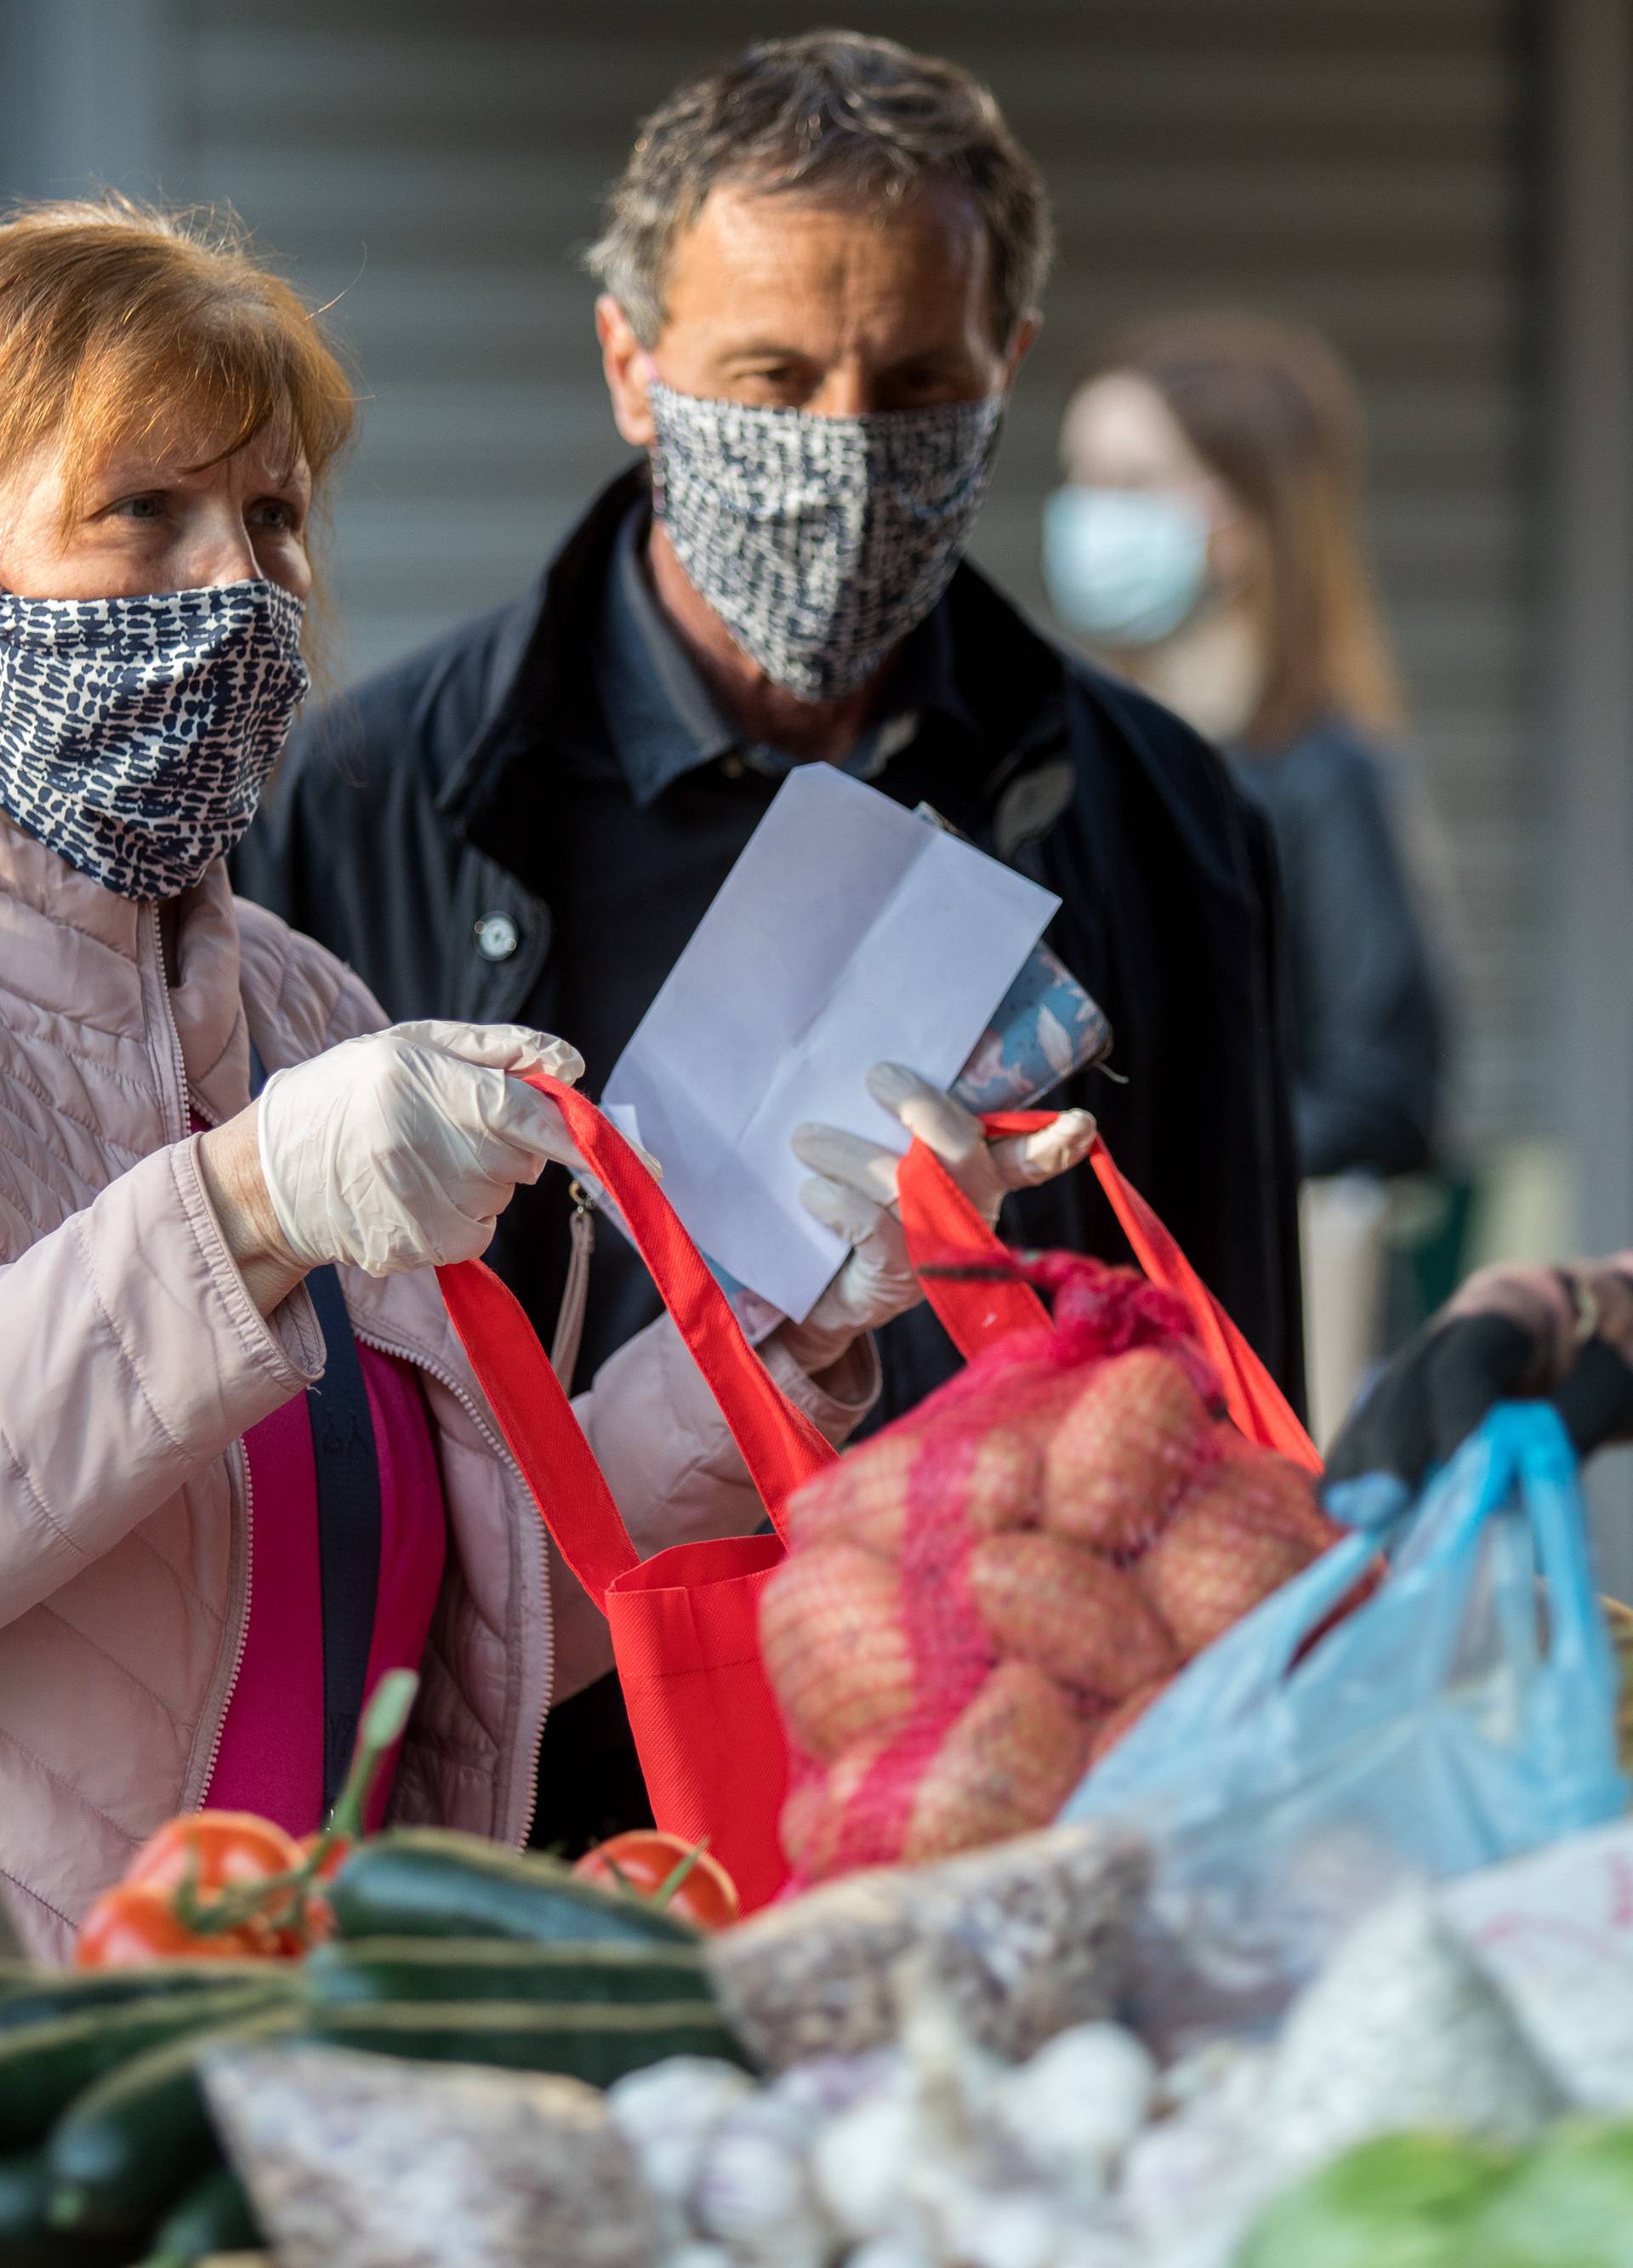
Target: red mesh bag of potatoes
[(980, 1600)]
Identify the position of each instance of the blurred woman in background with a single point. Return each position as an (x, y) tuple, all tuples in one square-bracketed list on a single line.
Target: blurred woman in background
[(1207, 544)]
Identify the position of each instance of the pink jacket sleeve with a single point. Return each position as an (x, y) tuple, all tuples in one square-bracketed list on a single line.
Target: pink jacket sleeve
[(133, 1356), (672, 1467)]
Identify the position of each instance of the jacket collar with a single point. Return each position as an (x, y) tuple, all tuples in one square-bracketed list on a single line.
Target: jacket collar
[(664, 722), (112, 961), (1011, 681)]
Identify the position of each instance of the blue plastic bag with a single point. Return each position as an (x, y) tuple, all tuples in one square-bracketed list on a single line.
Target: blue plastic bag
[(1463, 1713)]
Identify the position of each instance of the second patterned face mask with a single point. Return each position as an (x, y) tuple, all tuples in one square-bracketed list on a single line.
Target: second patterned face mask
[(136, 733), (820, 541)]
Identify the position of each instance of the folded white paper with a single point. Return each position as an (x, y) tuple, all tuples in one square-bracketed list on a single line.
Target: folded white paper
[(850, 932)]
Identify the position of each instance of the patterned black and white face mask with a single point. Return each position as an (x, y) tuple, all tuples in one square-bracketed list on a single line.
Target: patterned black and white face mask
[(136, 734), (820, 541)]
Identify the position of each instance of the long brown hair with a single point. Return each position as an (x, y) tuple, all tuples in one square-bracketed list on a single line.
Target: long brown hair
[(1269, 409)]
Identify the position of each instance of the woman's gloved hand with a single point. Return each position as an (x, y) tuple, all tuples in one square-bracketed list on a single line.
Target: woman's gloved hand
[(1509, 1334), (399, 1150), (854, 1193)]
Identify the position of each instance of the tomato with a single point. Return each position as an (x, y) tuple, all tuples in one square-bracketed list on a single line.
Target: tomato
[(216, 1850), (134, 1924), (642, 1861), (213, 1853)]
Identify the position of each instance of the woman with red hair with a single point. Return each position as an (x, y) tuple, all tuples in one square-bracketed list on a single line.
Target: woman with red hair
[(244, 1469)]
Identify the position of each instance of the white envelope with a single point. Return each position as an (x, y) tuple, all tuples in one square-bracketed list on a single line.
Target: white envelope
[(850, 932)]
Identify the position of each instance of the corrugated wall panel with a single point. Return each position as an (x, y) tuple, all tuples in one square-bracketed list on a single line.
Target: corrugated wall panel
[(1354, 163)]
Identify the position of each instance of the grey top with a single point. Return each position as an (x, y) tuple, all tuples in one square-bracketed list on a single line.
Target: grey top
[(1368, 1040)]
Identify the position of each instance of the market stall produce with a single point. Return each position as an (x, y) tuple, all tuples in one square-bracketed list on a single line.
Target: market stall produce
[(1403, 2118), (418, 2047), (915, 2068)]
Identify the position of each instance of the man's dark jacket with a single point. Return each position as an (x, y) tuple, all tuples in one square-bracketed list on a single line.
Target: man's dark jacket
[(415, 809)]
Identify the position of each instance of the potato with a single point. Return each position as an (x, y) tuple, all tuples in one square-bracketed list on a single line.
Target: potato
[(1123, 1452), (1214, 1563), (1006, 1478), (834, 1648), (862, 1499), (1070, 1612), (1273, 1490), (1007, 1764)]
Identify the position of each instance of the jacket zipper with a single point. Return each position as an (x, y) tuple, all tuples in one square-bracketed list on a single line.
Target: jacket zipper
[(502, 1450), (241, 1454), (178, 1061), (241, 1643)]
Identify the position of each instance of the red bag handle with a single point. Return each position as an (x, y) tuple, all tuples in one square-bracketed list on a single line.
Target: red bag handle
[(937, 1215), (780, 1446)]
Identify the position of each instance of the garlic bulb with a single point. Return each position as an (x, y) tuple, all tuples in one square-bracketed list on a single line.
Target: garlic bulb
[(890, 2252), (860, 2161), (1189, 2183), (1075, 2107), (754, 2189), (1103, 2246), (828, 2085), (668, 2112), (1022, 2229)]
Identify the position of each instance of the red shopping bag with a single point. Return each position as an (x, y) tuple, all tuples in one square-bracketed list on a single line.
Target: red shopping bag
[(684, 1623)]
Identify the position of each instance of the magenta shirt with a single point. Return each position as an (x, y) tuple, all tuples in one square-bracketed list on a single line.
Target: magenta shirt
[(270, 1760)]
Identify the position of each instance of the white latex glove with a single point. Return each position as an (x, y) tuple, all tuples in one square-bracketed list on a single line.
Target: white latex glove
[(855, 1194), (399, 1150)]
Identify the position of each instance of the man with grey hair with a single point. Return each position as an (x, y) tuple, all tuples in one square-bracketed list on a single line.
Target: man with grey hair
[(822, 269)]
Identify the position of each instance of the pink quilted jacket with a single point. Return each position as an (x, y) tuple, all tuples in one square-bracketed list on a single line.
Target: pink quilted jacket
[(133, 1361)]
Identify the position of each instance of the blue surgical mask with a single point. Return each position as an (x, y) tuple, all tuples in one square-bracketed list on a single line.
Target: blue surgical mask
[(1124, 566)]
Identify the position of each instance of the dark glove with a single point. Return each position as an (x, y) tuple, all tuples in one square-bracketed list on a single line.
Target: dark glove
[(1509, 1334), (1596, 1400), (1431, 1397)]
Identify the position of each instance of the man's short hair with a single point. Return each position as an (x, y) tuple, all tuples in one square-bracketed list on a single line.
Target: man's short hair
[(831, 114)]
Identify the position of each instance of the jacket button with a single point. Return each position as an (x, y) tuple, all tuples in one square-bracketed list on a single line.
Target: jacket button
[(497, 937)]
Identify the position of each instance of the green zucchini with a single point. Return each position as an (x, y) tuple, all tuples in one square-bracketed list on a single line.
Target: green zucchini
[(426, 1881), (129, 2145), (372, 1970), (44, 2067), (27, 2239), (52, 1993), (597, 2042), (17, 1973), (216, 2215)]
